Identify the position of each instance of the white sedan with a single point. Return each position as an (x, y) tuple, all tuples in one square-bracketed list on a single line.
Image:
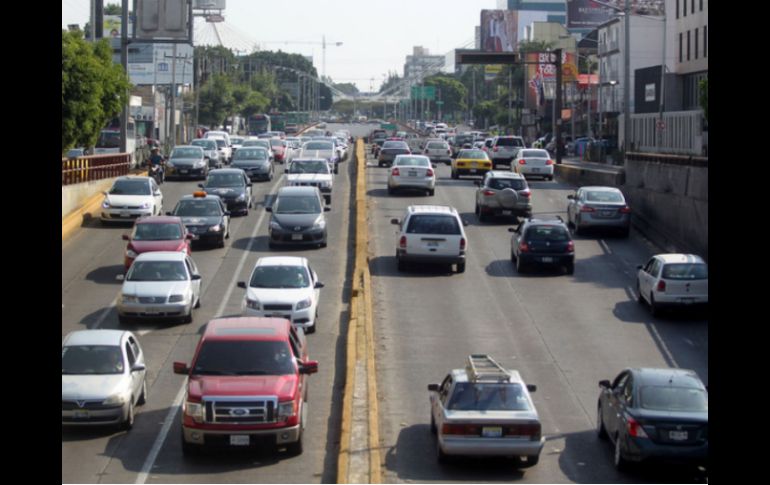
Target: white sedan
[(533, 162), (673, 280), (412, 172), (130, 198), (283, 287)]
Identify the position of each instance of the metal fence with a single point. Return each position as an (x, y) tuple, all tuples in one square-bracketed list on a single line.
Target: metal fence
[(94, 167)]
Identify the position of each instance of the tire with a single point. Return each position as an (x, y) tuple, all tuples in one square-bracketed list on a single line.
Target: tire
[(187, 318), (513, 258), (390, 191), (433, 428), (454, 175), (626, 233), (654, 307), (621, 464), (570, 267), (442, 457), (519, 265), (129, 422), (401, 265), (639, 297), (221, 244), (461, 267), (601, 431), (198, 303), (431, 192), (143, 397), (295, 449)]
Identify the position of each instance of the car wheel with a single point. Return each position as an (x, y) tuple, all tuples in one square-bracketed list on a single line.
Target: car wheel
[(570, 267), (626, 232), (601, 431), (513, 257), (639, 297), (433, 428), (454, 175), (143, 397), (129, 422), (461, 267), (188, 318), (519, 265), (390, 190), (401, 265), (295, 449), (621, 464), (440, 455), (431, 192), (654, 307), (221, 243), (198, 303)]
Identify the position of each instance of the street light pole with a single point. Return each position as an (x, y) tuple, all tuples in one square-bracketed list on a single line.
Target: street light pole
[(627, 82)]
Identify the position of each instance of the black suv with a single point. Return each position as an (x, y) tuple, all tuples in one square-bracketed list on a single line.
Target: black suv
[(542, 242)]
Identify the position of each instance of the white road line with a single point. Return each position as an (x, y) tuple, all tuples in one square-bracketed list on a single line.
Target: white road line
[(150, 461), (605, 246), (103, 316)]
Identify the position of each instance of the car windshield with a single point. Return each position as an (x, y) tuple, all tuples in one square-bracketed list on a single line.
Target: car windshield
[(187, 153), (510, 142), (547, 233), (130, 187), (255, 143), (157, 271), (220, 143), (236, 140), (91, 359), (412, 162), (474, 154), (250, 154), (677, 399), (205, 144), (198, 208), (297, 205), (309, 167), (686, 271), (462, 139), (470, 396), (244, 358), (438, 146), (395, 144), (603, 196), (279, 277), (506, 183), (225, 180), (433, 224), (157, 232), (534, 154), (318, 145)]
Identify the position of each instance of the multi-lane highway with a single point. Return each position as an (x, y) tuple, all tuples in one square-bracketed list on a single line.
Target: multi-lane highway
[(563, 333)]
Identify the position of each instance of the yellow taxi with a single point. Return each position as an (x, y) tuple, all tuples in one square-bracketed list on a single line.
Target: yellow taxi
[(471, 162)]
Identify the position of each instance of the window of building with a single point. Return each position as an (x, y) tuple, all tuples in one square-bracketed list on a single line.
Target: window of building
[(693, 7), (677, 8), (684, 8), (696, 43), (688, 45), (705, 41), (701, 5), (680, 46)]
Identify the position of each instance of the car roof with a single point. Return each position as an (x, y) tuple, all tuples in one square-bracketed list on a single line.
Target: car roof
[(461, 375), (189, 146), (226, 170), (204, 139), (281, 261), (295, 160), (600, 188), (680, 258), (431, 209), (297, 190), (159, 220), (190, 196), (664, 377), (545, 222), (133, 177), (247, 328), (94, 337), (162, 256)]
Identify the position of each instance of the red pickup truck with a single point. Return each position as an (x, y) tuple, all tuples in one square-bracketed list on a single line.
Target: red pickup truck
[(246, 386)]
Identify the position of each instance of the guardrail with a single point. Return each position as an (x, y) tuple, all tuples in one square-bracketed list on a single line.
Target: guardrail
[(94, 167), (687, 160)]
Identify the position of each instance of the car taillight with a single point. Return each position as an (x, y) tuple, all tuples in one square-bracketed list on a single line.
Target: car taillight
[(523, 247), (625, 210), (635, 429), (461, 429), (587, 209), (522, 162), (549, 162), (532, 430), (462, 244), (661, 285), (525, 193), (488, 193), (429, 172), (494, 149), (396, 172), (402, 242), (570, 246)]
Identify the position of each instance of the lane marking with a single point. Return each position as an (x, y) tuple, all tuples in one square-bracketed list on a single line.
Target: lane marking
[(605, 246), (104, 313), (170, 417)]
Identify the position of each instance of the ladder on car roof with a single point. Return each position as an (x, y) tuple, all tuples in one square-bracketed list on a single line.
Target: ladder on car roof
[(482, 367)]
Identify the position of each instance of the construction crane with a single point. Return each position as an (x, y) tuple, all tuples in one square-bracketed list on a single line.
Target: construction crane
[(322, 43)]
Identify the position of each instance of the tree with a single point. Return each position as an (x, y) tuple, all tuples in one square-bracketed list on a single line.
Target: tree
[(450, 91), (93, 91), (704, 97), (113, 9), (216, 101)]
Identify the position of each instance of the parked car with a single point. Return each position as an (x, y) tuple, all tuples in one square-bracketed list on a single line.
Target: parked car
[(598, 207), (255, 161), (160, 285), (233, 186), (655, 415), (431, 234), (542, 242), (312, 172), (412, 172), (283, 287), (673, 280), (156, 233), (298, 217), (187, 161), (485, 410), (470, 162), (103, 378), (130, 198), (246, 385), (533, 162), (389, 150), (504, 149), (503, 194)]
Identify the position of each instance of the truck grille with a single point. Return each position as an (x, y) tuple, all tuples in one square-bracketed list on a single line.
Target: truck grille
[(243, 410)]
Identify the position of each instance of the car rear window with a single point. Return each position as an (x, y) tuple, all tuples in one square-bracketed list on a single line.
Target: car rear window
[(506, 183), (686, 271), (547, 233), (510, 142), (412, 161), (318, 145), (535, 154), (244, 358), (677, 399), (437, 146), (468, 396), (395, 144), (474, 154), (433, 224), (604, 196), (251, 154)]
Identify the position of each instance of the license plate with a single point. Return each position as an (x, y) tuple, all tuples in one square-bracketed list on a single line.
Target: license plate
[(474, 164), (507, 213), (492, 431), (473, 170), (432, 244), (152, 314), (239, 440), (687, 301), (412, 174), (677, 435), (296, 237), (80, 414), (607, 213), (125, 214), (535, 170), (547, 259)]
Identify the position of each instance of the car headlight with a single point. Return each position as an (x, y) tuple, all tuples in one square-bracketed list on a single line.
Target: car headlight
[(131, 254), (194, 410), (275, 225), (216, 228), (241, 197), (200, 164), (170, 164), (116, 400), (176, 298), (106, 204), (285, 410), (320, 223), (145, 205), (130, 299), (253, 304), (304, 304)]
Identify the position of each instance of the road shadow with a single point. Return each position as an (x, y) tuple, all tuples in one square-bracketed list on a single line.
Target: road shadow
[(414, 459), (95, 221), (388, 266), (258, 244), (106, 275)]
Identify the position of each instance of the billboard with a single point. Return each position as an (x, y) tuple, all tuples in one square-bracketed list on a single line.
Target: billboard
[(589, 14), (152, 63), (541, 76), (499, 30)]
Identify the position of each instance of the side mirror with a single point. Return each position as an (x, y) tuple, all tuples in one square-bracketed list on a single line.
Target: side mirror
[(308, 367), (605, 384), (242, 284), (327, 208), (269, 209), (181, 368), (125, 237), (318, 284), (433, 387), (189, 236), (531, 387), (571, 197), (195, 277), (394, 221), (138, 367)]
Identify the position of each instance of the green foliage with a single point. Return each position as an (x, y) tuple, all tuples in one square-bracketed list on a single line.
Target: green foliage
[(113, 9), (704, 97), (216, 101), (94, 89), (453, 93)]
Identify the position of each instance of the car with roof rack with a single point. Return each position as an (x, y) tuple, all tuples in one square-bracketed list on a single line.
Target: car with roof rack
[(485, 409), (542, 242)]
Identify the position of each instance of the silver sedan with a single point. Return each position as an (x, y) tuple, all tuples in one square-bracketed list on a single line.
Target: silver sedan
[(602, 207), (412, 172)]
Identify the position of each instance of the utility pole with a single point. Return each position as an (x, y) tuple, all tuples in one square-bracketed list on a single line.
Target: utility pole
[(173, 96), (557, 105), (124, 62), (627, 86)]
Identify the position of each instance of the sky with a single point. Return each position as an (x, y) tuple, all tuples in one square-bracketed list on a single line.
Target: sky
[(376, 35)]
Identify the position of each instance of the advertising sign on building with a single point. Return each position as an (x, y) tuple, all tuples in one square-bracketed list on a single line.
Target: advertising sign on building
[(491, 71), (588, 14), (153, 63), (541, 76), (499, 30)]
